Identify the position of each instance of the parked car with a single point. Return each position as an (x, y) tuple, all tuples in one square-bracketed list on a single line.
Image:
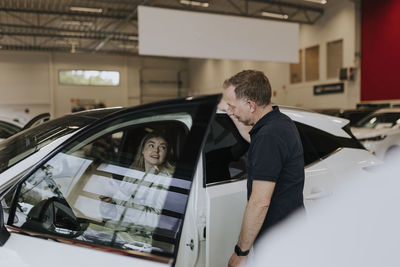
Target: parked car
[(10, 126), (54, 179), (355, 115), (380, 132)]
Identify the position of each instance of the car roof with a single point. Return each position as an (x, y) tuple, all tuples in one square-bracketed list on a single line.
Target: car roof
[(330, 124)]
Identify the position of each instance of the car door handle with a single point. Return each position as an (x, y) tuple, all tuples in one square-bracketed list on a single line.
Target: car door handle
[(317, 193), (191, 244)]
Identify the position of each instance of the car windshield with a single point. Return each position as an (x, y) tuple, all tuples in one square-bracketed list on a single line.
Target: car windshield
[(25, 143), (380, 120)]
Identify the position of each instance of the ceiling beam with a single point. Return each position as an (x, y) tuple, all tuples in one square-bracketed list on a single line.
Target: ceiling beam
[(63, 49), (43, 31), (115, 14), (291, 5), (217, 12)]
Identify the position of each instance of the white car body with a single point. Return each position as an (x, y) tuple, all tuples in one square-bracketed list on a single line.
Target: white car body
[(214, 210), (380, 138)]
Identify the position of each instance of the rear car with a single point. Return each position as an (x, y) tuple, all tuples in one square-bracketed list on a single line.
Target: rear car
[(10, 125), (379, 132)]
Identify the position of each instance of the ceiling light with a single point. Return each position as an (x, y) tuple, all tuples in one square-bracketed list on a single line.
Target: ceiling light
[(127, 46), (72, 33), (274, 15), (322, 2), (133, 37), (86, 9), (195, 3), (78, 23)]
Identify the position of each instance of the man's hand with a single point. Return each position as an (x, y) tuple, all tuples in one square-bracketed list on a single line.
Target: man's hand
[(237, 261), (223, 106)]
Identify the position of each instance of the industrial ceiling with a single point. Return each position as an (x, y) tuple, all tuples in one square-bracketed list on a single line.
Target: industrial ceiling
[(110, 26)]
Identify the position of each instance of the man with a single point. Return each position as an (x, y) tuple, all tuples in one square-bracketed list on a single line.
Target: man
[(275, 164)]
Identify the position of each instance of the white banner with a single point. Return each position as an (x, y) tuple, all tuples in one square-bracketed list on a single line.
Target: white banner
[(167, 32)]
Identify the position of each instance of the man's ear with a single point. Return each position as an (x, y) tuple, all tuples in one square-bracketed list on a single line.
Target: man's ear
[(252, 105)]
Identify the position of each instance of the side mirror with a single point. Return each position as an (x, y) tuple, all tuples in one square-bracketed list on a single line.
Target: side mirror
[(4, 234), (53, 216)]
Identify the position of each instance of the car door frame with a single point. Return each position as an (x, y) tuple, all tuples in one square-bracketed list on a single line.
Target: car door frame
[(201, 123)]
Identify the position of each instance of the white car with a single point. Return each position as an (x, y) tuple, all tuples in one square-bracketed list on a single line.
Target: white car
[(53, 177), (379, 132)]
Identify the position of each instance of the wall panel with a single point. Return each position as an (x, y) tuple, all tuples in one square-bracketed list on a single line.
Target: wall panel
[(380, 50)]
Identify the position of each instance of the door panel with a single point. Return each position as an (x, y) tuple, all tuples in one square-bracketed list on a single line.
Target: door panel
[(226, 205), (225, 156), (318, 183), (19, 251)]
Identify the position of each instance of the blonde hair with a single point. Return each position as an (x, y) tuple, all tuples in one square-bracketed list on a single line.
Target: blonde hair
[(166, 166)]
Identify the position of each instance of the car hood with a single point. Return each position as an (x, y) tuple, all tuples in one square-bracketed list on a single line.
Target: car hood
[(361, 133)]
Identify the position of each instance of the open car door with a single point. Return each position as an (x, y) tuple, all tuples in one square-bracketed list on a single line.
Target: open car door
[(89, 192), (225, 179)]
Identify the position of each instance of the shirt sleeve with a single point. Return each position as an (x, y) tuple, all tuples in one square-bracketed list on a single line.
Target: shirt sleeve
[(269, 153)]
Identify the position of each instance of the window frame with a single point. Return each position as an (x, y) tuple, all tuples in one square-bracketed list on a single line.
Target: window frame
[(205, 184), (205, 111), (297, 68), (89, 84), (342, 142), (331, 48), (312, 71)]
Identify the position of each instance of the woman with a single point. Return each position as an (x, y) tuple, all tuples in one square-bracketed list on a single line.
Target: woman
[(135, 208), (154, 155)]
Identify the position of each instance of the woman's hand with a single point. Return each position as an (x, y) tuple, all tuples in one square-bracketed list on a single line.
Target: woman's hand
[(105, 199)]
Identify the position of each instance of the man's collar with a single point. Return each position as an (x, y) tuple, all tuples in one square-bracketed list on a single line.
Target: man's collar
[(264, 120)]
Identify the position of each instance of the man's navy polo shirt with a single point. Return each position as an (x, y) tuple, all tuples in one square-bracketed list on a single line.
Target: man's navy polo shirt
[(276, 154)]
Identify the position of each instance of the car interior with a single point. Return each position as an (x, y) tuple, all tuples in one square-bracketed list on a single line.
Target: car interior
[(56, 199)]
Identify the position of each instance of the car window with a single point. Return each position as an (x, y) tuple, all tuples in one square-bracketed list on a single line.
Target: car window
[(380, 120), (225, 152), (7, 129), (318, 144), (25, 143), (98, 189), (309, 151)]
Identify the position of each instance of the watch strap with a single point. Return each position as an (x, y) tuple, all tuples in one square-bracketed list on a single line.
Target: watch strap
[(240, 252)]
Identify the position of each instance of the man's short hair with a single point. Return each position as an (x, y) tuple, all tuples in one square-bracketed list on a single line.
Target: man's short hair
[(252, 85)]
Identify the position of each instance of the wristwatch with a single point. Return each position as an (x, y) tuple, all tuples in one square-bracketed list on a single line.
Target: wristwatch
[(239, 252)]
